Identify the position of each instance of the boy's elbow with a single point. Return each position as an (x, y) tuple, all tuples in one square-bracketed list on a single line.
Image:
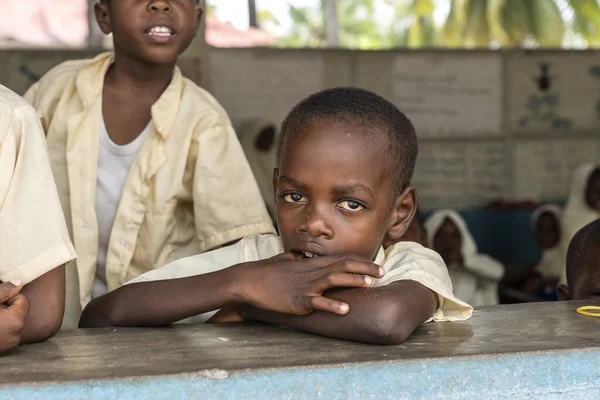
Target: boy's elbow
[(102, 312), (42, 328), (391, 326)]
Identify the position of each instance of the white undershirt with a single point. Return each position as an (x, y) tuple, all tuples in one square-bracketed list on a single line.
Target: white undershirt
[(114, 162)]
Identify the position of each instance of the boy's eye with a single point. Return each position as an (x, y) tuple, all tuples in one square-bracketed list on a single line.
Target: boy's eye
[(293, 197), (351, 205)]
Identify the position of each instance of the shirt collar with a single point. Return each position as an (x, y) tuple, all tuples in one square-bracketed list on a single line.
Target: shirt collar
[(90, 82)]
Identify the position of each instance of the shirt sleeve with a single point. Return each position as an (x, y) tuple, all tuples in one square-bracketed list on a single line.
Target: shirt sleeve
[(227, 202), (33, 233), (417, 263)]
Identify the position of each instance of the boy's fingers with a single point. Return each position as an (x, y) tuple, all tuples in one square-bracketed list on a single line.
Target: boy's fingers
[(358, 267), (9, 290), (342, 279), (18, 305), (333, 306)]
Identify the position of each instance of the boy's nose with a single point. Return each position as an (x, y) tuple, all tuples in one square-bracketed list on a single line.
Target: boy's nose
[(316, 224), (159, 5)]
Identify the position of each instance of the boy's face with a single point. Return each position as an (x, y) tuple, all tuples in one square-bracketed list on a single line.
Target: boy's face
[(334, 193), (587, 282), (151, 31), (547, 231), (447, 242), (592, 192)]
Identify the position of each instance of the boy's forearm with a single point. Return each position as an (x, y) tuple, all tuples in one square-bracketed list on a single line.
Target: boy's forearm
[(164, 302), (386, 315)]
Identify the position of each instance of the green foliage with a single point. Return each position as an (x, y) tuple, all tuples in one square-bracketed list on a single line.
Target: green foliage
[(469, 24)]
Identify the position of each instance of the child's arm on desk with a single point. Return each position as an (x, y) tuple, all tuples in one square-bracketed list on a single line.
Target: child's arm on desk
[(285, 283), (46, 296), (383, 315)]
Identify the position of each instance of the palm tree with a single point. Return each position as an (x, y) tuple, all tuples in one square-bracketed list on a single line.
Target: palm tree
[(413, 25), (586, 20), (507, 23), (469, 24), (514, 23)]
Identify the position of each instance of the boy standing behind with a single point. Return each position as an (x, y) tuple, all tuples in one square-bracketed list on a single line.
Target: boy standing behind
[(147, 165)]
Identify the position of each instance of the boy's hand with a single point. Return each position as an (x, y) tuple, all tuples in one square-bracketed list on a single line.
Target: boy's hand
[(12, 316), (290, 284), (225, 316)]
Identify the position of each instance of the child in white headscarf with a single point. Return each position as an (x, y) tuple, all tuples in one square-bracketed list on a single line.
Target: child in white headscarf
[(259, 138), (474, 276), (547, 232), (583, 205)]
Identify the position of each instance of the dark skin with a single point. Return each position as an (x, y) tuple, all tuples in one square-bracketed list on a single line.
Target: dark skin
[(328, 204), (547, 231), (31, 313), (587, 282), (415, 233), (592, 192), (144, 60), (447, 242)]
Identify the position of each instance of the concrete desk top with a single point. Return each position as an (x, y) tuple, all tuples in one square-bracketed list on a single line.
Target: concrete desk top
[(535, 350)]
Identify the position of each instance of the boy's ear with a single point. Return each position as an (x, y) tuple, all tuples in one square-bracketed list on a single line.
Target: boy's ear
[(102, 17), (199, 15), (403, 212), (564, 293)]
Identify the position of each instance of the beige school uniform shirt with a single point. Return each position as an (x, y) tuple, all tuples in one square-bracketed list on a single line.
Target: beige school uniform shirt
[(402, 261), (189, 190), (33, 234)]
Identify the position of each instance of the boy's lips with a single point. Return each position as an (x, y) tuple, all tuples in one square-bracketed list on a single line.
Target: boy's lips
[(308, 251), (161, 32)]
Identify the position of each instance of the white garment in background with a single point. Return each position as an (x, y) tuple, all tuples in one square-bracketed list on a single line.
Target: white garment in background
[(553, 260), (114, 162), (475, 282)]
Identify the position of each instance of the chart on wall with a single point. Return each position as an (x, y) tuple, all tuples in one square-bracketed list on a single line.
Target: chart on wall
[(461, 175), (263, 84), (553, 93), (450, 94), (544, 169)]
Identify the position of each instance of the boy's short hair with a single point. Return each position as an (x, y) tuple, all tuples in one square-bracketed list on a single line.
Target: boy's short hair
[(365, 110), (585, 239)]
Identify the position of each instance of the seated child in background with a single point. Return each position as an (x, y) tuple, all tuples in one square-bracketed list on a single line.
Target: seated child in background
[(415, 233), (583, 265), (342, 184), (474, 276), (583, 205), (545, 223), (147, 164), (34, 242)]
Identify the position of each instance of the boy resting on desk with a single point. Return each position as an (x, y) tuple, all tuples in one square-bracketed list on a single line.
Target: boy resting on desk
[(342, 184)]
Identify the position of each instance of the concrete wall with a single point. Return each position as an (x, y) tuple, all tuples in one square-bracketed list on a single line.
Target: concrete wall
[(492, 125)]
